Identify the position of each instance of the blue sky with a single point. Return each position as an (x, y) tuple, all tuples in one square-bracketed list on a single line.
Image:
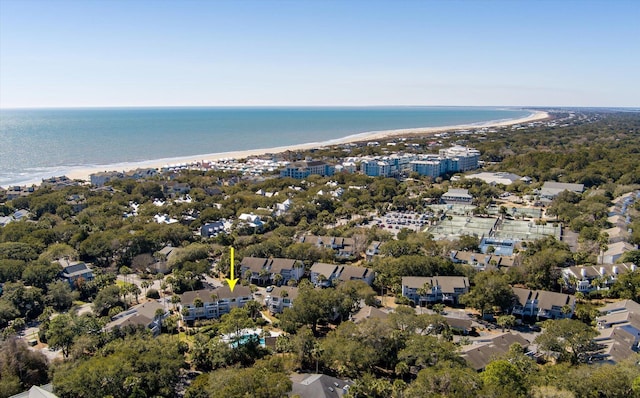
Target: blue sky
[(246, 53)]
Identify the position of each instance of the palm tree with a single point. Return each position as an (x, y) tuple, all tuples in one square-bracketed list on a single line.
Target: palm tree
[(423, 291), (254, 308), (145, 285), (277, 279), (175, 300), (125, 271), (247, 275), (135, 290), (317, 352), (263, 275), (159, 313)]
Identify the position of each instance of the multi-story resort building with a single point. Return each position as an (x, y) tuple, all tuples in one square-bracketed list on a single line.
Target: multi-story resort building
[(461, 158), (304, 169)]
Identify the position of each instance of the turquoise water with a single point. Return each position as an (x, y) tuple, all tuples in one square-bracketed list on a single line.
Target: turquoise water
[(41, 143), (244, 339)]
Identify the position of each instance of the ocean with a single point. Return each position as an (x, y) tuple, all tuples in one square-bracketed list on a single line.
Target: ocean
[(41, 143)]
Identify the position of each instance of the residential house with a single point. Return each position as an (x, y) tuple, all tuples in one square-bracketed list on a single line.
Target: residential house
[(258, 266), (457, 196), (75, 273), (77, 203), (373, 250), (614, 252), (44, 391), (619, 306), (543, 304), (60, 182), (619, 330), (287, 268), (252, 220), (323, 274), (14, 192), (163, 259), (460, 325), (617, 220), (617, 345), (617, 234), (481, 353), (309, 385), (21, 214), (436, 288), (591, 277), (354, 273), (148, 315), (101, 178), (212, 229), (280, 297), (213, 303), (282, 208), (265, 270), (174, 188), (4, 220), (164, 219), (344, 247), (368, 312)]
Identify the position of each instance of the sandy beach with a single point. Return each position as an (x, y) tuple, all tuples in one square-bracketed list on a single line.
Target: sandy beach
[(84, 172)]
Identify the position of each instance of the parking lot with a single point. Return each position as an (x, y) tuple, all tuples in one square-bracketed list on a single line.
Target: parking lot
[(395, 221)]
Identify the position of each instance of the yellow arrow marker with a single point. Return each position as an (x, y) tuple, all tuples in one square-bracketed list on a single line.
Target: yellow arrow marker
[(232, 281)]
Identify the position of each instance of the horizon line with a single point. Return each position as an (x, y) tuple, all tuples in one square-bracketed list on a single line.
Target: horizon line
[(523, 107)]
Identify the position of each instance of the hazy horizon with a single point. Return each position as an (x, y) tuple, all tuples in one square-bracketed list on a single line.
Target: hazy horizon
[(94, 54)]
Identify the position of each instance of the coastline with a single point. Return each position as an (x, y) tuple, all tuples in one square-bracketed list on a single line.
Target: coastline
[(83, 172)]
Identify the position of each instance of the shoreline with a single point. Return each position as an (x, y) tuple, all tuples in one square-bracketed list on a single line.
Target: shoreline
[(83, 172)]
